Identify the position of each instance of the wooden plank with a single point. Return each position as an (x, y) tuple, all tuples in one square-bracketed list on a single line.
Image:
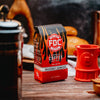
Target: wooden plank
[(69, 89), (28, 60)]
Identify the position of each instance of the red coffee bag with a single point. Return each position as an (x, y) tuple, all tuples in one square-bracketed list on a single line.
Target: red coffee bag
[(50, 53)]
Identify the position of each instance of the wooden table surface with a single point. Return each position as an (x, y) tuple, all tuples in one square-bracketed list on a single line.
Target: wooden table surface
[(62, 90)]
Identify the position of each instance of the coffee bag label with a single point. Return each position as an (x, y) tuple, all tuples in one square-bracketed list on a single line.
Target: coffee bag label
[(54, 42), (50, 45)]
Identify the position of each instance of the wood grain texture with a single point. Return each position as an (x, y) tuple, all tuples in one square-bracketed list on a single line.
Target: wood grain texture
[(69, 89)]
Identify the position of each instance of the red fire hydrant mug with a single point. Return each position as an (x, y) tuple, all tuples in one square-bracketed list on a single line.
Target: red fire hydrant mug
[(87, 62)]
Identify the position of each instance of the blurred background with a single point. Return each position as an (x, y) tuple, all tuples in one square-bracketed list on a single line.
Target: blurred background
[(76, 13)]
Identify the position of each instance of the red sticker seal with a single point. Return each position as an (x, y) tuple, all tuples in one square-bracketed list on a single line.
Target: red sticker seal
[(54, 42)]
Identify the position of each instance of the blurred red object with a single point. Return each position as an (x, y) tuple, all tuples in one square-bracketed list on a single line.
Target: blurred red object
[(87, 62)]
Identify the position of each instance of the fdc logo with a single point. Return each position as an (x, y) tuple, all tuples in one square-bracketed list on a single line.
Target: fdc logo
[(54, 42)]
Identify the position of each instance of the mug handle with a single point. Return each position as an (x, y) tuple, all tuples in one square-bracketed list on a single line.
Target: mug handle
[(75, 53)]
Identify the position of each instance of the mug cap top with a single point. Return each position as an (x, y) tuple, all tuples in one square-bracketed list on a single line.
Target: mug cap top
[(8, 24)]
